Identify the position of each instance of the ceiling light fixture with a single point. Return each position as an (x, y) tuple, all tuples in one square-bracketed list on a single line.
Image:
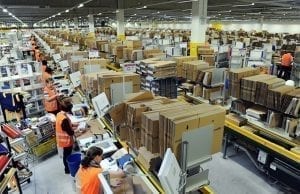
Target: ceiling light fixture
[(244, 5), (59, 14), (10, 14), (99, 14), (4, 10), (67, 11), (80, 5)]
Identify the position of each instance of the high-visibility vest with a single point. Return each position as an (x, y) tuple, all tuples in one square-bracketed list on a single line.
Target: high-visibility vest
[(50, 105), (62, 138), (286, 59), (88, 180)]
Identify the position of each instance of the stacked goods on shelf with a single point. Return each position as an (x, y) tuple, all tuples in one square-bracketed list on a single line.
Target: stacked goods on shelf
[(11, 131), (248, 86), (206, 53), (290, 103), (235, 77), (96, 83), (158, 123), (83, 63), (134, 44), (275, 96), (179, 62), (4, 159), (191, 70), (150, 53), (174, 122), (158, 76)]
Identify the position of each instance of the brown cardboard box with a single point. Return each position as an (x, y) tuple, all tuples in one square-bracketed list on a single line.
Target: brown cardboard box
[(212, 93), (210, 59), (83, 62), (179, 61), (123, 133), (149, 53), (134, 44)]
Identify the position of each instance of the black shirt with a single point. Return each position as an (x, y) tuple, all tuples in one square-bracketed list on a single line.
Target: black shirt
[(67, 127)]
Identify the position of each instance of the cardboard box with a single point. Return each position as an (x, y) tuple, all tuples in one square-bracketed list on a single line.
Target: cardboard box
[(134, 44), (179, 62)]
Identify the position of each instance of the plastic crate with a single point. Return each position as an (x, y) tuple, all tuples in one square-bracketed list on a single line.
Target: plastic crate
[(45, 148)]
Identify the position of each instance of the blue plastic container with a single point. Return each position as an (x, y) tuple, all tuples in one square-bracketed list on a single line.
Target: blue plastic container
[(74, 163)]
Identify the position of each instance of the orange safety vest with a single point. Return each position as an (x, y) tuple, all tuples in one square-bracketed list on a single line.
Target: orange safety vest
[(50, 105), (286, 59), (62, 138), (88, 180)]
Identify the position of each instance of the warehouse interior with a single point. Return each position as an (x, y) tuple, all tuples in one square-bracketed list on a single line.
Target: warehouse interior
[(157, 96)]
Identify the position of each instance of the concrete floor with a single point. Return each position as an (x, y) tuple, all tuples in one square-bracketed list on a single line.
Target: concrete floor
[(236, 175)]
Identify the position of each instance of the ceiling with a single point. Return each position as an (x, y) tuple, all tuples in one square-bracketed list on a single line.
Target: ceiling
[(33, 11)]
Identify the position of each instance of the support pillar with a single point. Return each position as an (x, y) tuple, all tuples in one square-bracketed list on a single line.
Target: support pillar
[(261, 26), (76, 23), (91, 24), (66, 23), (199, 25), (120, 25)]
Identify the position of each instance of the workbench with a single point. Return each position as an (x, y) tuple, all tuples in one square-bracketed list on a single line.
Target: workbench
[(270, 152)]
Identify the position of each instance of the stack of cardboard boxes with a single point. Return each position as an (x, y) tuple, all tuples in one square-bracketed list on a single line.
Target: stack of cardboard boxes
[(158, 76), (192, 69), (96, 83), (179, 62), (206, 53), (158, 123), (235, 77)]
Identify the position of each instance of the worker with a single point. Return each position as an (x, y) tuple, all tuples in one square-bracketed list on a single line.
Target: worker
[(286, 66), (47, 74), (51, 97), (87, 176), (37, 53), (44, 65), (65, 130)]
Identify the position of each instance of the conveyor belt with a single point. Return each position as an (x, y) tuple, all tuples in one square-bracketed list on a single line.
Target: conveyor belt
[(281, 150)]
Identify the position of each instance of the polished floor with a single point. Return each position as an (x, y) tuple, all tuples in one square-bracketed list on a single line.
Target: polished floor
[(235, 175)]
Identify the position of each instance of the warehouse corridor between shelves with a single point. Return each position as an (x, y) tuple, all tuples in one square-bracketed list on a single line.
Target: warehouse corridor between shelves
[(235, 175)]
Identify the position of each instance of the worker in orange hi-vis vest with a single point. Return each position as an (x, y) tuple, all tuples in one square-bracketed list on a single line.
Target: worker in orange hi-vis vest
[(51, 97), (87, 176), (286, 66), (65, 130)]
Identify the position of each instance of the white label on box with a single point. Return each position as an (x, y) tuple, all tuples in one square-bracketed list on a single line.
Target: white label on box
[(93, 54), (64, 65), (75, 78), (56, 58), (129, 67)]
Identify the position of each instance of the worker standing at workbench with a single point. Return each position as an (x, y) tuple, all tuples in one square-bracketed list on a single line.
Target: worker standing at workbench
[(65, 130)]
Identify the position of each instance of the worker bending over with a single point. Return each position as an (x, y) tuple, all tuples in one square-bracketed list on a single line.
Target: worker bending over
[(87, 176)]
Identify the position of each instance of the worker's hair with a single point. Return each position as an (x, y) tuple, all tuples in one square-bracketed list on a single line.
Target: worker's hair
[(90, 155), (49, 70), (65, 103), (49, 80), (44, 62)]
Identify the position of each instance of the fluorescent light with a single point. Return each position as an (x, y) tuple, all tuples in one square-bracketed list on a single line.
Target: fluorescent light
[(145, 7), (4, 10), (80, 5), (59, 14), (244, 5), (99, 14), (134, 14), (67, 11), (186, 1), (10, 14)]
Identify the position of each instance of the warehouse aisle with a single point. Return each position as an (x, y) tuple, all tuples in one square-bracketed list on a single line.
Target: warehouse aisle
[(231, 176), (49, 178)]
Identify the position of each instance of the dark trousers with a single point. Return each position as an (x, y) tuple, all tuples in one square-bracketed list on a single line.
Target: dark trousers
[(67, 151), (285, 72)]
